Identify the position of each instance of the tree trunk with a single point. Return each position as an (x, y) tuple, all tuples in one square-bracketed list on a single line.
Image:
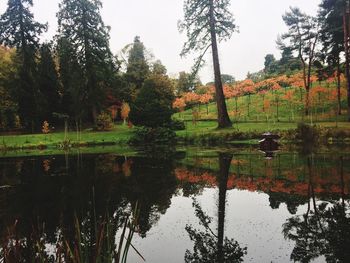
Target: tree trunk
[(224, 168), (338, 86), (223, 118), (346, 49)]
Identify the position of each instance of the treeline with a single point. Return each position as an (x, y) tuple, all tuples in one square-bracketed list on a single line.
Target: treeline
[(75, 76)]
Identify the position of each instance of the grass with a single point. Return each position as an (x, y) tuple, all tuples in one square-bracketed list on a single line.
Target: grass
[(29, 144), (120, 134), (210, 127)]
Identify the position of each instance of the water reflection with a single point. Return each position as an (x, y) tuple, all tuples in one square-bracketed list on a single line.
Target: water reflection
[(324, 228), (45, 197), (209, 246)]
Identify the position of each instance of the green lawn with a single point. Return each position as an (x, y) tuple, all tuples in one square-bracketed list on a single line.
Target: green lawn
[(209, 127), (120, 134)]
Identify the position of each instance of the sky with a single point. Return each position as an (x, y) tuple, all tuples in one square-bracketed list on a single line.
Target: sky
[(155, 21)]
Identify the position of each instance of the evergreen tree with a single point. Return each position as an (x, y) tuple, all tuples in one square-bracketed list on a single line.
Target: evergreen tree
[(48, 84), (153, 104), (270, 64), (137, 69), (158, 68), (82, 28), (71, 81), (206, 22), (18, 29), (332, 37), (302, 37)]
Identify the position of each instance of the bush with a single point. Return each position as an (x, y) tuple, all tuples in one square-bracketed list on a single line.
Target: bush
[(177, 125), (307, 133), (153, 104), (104, 122), (146, 135)]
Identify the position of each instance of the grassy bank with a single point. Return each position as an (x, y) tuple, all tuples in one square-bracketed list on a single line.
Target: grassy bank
[(119, 135), (243, 132)]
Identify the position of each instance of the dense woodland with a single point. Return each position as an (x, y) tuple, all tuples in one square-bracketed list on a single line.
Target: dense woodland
[(76, 79)]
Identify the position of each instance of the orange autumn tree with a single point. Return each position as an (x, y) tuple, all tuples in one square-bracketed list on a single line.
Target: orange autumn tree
[(316, 95), (289, 97), (205, 99), (247, 87), (179, 104), (125, 112)]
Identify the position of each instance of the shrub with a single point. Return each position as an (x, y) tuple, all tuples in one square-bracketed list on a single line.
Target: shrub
[(104, 122), (153, 104), (147, 135), (307, 133), (177, 125)]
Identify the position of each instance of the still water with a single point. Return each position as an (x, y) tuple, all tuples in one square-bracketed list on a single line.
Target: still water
[(189, 205)]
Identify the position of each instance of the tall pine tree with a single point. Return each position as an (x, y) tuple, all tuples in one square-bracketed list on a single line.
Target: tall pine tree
[(137, 68), (332, 37), (206, 23), (18, 29), (81, 26)]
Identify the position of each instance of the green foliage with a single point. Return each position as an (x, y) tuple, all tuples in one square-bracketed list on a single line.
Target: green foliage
[(206, 23), (8, 104), (227, 79), (104, 122), (158, 68), (18, 29), (87, 38), (307, 133), (48, 84), (154, 136), (153, 105), (197, 25), (186, 82), (137, 69), (177, 125)]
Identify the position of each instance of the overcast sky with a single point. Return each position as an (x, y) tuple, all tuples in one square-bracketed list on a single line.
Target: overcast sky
[(155, 21)]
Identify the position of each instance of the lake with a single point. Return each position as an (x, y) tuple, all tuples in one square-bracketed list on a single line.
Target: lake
[(184, 205)]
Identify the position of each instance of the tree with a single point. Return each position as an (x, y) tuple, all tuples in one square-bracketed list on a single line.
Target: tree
[(8, 105), (48, 84), (125, 111), (153, 104), (72, 84), (332, 37), (227, 79), (137, 69), (158, 68), (270, 64), (81, 26), (302, 37), (206, 22), (186, 83), (208, 245), (19, 30)]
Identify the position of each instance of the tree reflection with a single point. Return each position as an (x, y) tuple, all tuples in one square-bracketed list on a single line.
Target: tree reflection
[(324, 229), (209, 246)]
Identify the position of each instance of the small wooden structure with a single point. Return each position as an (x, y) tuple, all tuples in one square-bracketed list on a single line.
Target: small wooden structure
[(269, 144)]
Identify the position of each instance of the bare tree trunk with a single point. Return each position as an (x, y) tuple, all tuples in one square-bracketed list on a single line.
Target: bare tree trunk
[(223, 118), (338, 86), (346, 49)]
